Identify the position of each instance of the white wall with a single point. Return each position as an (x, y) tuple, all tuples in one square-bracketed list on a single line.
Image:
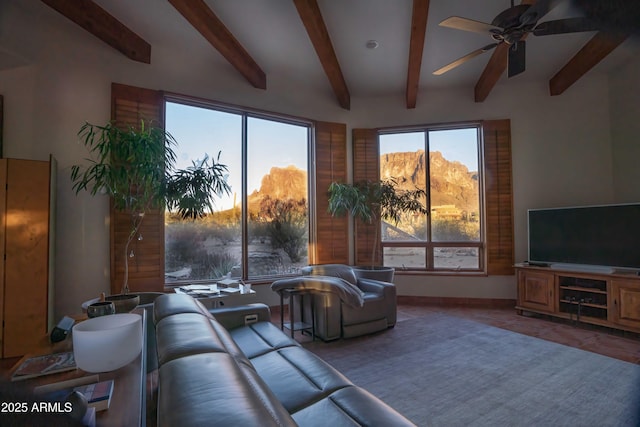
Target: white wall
[(561, 157), (625, 132), (561, 145)]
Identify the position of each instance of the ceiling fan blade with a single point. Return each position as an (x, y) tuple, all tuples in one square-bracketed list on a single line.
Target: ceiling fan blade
[(539, 9), (464, 59), (516, 58), (465, 24), (563, 26)]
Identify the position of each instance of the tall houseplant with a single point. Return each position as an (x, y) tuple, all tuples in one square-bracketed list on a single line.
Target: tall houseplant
[(136, 167), (369, 201)]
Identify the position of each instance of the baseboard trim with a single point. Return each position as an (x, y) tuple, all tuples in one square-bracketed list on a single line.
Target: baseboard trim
[(457, 302)]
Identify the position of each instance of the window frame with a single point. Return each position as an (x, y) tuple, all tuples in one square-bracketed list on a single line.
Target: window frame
[(429, 245), (330, 236), (246, 113)]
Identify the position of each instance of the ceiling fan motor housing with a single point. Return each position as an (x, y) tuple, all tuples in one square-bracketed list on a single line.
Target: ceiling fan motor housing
[(513, 28), (510, 18), (513, 24)]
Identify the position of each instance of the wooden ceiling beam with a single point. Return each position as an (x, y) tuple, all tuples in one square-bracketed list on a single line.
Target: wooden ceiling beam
[(596, 49), (492, 72), (104, 26), (309, 12), (416, 46), (495, 68), (202, 18)]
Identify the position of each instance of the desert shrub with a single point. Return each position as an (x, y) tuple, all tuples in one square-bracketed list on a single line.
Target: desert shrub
[(184, 243), (218, 264), (185, 247), (225, 233), (258, 229), (287, 226), (453, 230)]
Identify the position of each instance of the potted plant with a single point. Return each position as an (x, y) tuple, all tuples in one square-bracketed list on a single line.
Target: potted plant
[(136, 167), (369, 201)]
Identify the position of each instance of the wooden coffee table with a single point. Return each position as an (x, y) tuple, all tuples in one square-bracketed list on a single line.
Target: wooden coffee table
[(128, 402)]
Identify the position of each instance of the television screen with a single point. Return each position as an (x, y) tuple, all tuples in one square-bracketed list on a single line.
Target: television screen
[(606, 235)]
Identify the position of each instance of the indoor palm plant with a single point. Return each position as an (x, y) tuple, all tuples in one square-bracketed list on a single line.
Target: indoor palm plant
[(369, 201), (136, 167)]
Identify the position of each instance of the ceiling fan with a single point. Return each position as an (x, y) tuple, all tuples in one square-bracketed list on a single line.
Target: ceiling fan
[(511, 26)]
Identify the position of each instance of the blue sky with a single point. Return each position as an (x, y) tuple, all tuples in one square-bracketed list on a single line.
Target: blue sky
[(454, 144), (201, 131)]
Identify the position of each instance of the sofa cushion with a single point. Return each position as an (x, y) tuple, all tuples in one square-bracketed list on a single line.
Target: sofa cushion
[(232, 348), (169, 304), (193, 333), (260, 338), (212, 389), (297, 377), (349, 406)]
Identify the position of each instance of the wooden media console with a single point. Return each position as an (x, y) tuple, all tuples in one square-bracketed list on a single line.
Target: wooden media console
[(611, 300)]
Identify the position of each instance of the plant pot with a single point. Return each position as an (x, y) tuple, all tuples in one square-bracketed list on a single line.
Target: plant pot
[(124, 302), (146, 298), (384, 274)]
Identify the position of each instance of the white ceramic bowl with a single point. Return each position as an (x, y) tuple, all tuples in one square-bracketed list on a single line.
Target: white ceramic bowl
[(107, 343)]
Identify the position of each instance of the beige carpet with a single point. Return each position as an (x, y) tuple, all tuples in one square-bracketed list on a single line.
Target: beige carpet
[(440, 370)]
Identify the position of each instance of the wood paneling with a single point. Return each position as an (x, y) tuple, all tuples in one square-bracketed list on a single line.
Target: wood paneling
[(3, 225), (498, 197), (332, 233), (25, 237), (129, 106), (366, 167)]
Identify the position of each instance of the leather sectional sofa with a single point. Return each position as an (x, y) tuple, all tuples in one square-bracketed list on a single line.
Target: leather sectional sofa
[(235, 368)]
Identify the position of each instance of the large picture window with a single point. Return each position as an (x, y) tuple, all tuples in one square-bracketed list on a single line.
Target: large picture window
[(261, 228), (444, 162)]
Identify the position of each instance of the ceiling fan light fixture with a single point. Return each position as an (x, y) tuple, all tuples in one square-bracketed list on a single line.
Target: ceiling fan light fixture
[(372, 44)]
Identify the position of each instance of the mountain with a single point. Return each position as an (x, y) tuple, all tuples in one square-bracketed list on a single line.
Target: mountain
[(452, 182), (281, 183)]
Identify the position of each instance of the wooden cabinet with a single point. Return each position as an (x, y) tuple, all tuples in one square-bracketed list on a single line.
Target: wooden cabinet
[(611, 300), (26, 282), (536, 290), (626, 302)]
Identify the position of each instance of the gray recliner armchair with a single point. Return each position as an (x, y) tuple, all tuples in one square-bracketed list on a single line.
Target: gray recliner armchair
[(338, 313)]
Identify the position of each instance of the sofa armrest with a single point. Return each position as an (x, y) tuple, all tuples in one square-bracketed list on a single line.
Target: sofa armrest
[(346, 291), (234, 317), (388, 292), (376, 286)]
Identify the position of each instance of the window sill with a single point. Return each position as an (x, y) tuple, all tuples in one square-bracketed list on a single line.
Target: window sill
[(441, 273)]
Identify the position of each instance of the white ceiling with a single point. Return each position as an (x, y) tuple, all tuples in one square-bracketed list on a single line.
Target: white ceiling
[(272, 33)]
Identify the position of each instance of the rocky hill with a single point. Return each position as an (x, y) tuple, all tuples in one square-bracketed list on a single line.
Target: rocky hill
[(453, 183), (281, 183)]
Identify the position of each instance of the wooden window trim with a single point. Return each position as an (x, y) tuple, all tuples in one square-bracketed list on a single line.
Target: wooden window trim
[(498, 192)]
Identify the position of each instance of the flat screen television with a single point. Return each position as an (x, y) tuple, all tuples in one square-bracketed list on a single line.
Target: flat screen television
[(606, 235)]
